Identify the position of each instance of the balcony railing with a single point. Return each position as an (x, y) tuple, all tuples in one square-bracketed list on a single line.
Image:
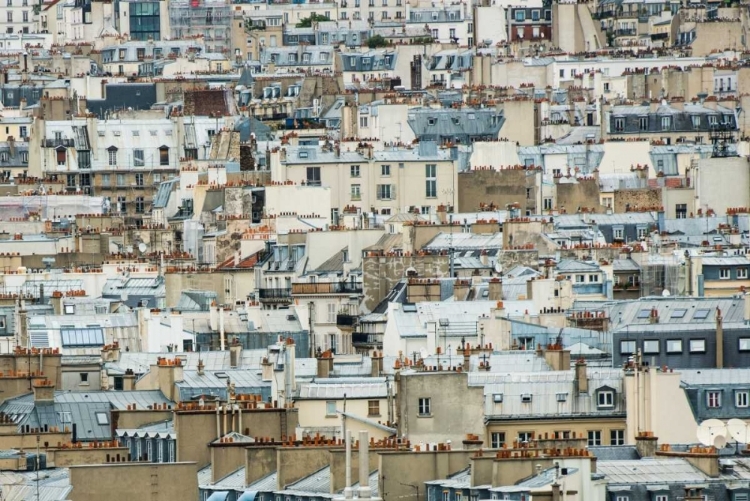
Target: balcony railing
[(626, 32), (54, 143), (346, 320), (327, 288), (274, 294), (367, 339)]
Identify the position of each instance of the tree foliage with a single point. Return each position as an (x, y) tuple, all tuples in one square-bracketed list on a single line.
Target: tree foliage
[(307, 22)]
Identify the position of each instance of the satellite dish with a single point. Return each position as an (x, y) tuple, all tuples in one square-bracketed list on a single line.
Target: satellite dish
[(129, 249), (423, 354), (666, 293), (709, 430), (498, 267), (738, 430), (142, 247), (720, 441)]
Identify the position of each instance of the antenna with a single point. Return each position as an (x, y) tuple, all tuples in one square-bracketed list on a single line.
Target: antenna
[(712, 432)]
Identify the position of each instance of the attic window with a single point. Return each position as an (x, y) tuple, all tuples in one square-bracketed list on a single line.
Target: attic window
[(644, 314), (302, 154), (102, 419), (562, 397), (679, 313), (701, 314), (497, 398), (70, 309), (455, 120), (431, 121), (472, 116), (525, 398)]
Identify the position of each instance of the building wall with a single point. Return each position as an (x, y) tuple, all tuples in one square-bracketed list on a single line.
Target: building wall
[(381, 273), (401, 471), (313, 413), (62, 458), (500, 187), (449, 419), (521, 116), (721, 35), (714, 192), (583, 193), (637, 198), (577, 428), (126, 481)]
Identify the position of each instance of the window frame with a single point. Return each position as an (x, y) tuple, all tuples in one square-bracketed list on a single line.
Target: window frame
[(424, 407), (713, 399)]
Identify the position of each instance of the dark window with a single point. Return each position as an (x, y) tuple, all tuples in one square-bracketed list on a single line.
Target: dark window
[(144, 21), (84, 159), (313, 176), (163, 156)]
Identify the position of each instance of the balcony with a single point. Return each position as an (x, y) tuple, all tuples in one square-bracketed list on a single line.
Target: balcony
[(367, 340), (275, 294), (326, 288), (626, 32), (54, 143)]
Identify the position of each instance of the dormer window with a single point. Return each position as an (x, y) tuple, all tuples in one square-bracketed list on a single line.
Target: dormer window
[(605, 398), (431, 121)]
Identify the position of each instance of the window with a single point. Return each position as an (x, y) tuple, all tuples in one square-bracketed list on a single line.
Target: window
[(356, 194), (140, 205), (425, 407), (431, 181), (696, 119), (674, 346), (619, 124), (678, 313), (651, 347), (618, 233), (535, 15), (724, 273), (741, 273), (680, 211), (139, 179), (112, 155), (594, 438), (386, 192), (385, 170), (661, 497), (627, 347), (159, 451), (741, 398), (666, 123), (149, 450), (526, 398), (497, 439), (170, 450), (84, 377), (562, 397), (697, 346), (354, 170), (617, 437), (605, 398), (373, 407), (701, 314), (120, 179), (520, 16), (330, 408), (713, 399), (73, 337), (525, 436), (138, 450), (313, 176), (138, 158), (102, 419), (163, 155), (744, 344), (69, 309), (497, 398)]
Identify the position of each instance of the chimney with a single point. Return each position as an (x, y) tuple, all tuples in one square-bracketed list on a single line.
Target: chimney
[(128, 380), (324, 364), (646, 443), (235, 354), (169, 372), (582, 378), (694, 494), (266, 370), (364, 466), (44, 391), (495, 290), (111, 352), (201, 367), (719, 339), (377, 364), (442, 213), (467, 357), (556, 492), (557, 358), (460, 290), (222, 337), (213, 317)]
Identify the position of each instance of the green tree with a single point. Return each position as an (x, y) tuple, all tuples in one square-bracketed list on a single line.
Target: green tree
[(376, 41), (307, 22)]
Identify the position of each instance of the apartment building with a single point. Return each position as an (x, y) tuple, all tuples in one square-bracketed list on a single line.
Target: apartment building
[(372, 10), (17, 16), (449, 24), (384, 182)]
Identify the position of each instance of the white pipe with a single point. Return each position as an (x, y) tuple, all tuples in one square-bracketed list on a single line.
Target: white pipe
[(221, 328), (348, 487), (364, 466), (218, 422)]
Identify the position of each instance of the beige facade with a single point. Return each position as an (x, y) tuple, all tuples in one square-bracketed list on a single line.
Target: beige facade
[(126, 481)]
